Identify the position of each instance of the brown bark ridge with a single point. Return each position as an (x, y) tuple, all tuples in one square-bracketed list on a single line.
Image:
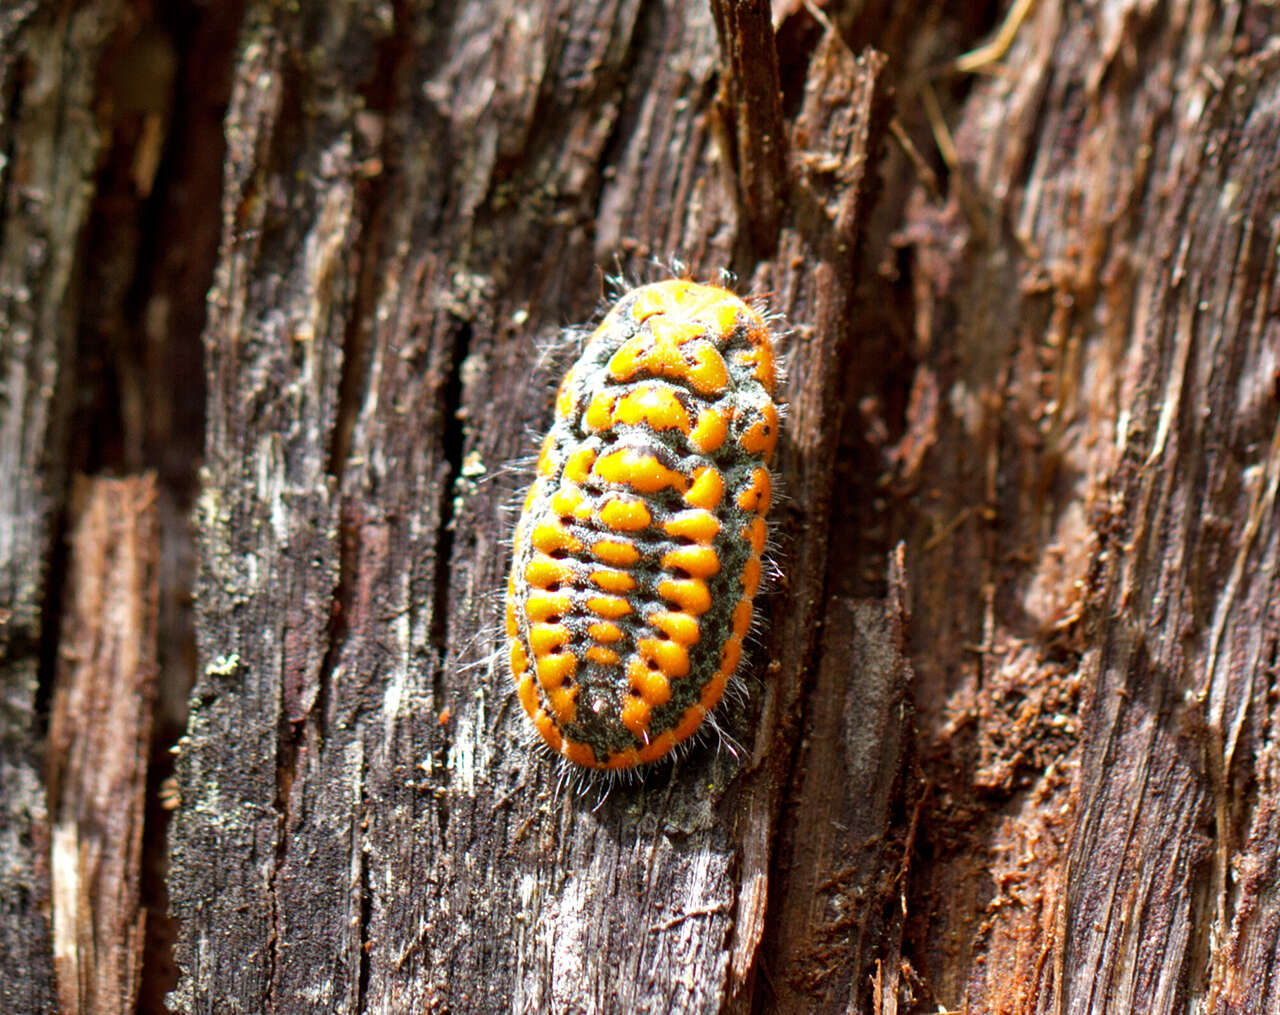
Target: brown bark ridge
[(99, 745)]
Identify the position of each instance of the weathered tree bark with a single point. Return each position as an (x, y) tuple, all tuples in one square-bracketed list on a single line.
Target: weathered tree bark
[(1008, 738), (1097, 333), (403, 850), (49, 59)]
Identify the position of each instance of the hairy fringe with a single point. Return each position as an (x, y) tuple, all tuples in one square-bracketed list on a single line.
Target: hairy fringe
[(553, 356)]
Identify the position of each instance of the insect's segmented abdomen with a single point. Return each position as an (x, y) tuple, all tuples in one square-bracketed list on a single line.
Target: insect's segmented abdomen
[(637, 554)]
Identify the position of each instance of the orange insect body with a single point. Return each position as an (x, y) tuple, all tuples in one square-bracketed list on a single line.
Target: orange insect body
[(637, 554)]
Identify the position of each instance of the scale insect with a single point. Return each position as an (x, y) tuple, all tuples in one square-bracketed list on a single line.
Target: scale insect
[(638, 549)]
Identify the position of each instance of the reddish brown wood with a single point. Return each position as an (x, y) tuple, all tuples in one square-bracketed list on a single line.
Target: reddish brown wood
[(99, 745)]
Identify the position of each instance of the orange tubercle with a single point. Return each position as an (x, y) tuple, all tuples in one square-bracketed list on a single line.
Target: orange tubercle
[(655, 406), (695, 561), (613, 581), (599, 414), (625, 514), (690, 594), (544, 639), (707, 488), (550, 537), (554, 670), (679, 627), (711, 430), (636, 714), (761, 436), (563, 702), (651, 685), (540, 606), (604, 631), (642, 473), (759, 495), (671, 658), (697, 524), (610, 551), (578, 467), (609, 607), (542, 572)]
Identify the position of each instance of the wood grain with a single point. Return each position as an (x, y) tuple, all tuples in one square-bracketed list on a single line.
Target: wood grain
[(99, 745)]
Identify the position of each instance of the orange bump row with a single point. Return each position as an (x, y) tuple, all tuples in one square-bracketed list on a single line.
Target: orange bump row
[(661, 353), (679, 297)]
